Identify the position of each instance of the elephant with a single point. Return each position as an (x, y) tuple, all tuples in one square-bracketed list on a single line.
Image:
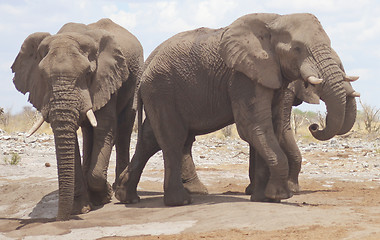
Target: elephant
[(295, 94), (201, 80), (83, 76)]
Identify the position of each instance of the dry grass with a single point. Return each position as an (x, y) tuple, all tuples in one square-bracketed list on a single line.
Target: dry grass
[(22, 122)]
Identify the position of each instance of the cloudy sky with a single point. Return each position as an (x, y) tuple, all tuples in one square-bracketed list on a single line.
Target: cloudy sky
[(353, 27)]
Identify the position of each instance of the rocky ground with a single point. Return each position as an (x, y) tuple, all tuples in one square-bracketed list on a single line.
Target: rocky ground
[(339, 198)]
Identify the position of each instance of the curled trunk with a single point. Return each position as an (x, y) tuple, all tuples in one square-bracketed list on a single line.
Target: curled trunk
[(350, 116), (331, 92)]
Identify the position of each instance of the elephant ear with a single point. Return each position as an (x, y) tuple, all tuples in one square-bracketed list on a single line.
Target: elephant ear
[(111, 71), (304, 92), (27, 77), (245, 46)]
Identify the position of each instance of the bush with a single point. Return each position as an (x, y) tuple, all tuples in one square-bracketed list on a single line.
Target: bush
[(15, 159)]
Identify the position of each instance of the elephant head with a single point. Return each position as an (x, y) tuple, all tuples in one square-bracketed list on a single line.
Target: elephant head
[(69, 76), (278, 49), (310, 93)]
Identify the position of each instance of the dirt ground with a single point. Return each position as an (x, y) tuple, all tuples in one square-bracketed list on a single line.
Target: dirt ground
[(339, 198)]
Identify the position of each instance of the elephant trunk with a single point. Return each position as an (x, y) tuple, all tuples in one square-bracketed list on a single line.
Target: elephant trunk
[(350, 116), (64, 118), (331, 92)]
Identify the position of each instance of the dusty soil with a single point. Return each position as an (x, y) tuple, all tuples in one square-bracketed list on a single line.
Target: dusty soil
[(339, 199)]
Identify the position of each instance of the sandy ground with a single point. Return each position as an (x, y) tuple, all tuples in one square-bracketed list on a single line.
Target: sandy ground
[(339, 198)]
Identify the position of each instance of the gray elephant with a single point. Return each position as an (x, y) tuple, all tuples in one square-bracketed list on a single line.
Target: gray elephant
[(83, 76), (202, 80), (296, 93)]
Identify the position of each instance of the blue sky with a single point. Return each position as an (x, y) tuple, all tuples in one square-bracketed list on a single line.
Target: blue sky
[(353, 27)]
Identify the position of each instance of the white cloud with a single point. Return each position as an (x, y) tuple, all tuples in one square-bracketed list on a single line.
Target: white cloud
[(209, 13), (125, 19)]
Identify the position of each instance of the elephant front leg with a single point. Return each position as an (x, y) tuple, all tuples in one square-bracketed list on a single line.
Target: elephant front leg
[(251, 171), (81, 199), (123, 140), (293, 153), (253, 118), (189, 176), (288, 141), (100, 191)]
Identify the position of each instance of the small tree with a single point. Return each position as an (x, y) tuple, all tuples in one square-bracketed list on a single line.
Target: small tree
[(321, 119), (370, 117), (298, 117)]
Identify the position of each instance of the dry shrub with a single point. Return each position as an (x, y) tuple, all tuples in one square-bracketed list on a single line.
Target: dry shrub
[(21, 122)]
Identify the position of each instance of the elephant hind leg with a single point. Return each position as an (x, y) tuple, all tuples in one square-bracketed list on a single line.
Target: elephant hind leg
[(126, 185), (171, 133)]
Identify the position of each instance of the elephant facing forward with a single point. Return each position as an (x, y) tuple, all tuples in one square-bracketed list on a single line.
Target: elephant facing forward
[(202, 80), (83, 76)]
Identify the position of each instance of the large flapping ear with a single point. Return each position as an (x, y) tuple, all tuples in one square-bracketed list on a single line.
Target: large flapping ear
[(304, 91), (111, 71), (27, 76), (245, 46)]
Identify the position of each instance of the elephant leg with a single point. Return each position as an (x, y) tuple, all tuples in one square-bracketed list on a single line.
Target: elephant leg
[(253, 116), (189, 176), (251, 171), (87, 133), (293, 153), (81, 199), (147, 146), (125, 123), (100, 190), (288, 142), (171, 133)]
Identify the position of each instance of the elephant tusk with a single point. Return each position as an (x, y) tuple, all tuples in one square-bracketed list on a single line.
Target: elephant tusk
[(314, 80), (91, 117), (35, 127), (351, 78), (355, 94)]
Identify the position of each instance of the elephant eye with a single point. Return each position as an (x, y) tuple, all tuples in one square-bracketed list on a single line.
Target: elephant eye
[(297, 49)]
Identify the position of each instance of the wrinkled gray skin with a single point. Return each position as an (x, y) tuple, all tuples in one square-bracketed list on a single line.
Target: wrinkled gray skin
[(297, 92), (202, 80), (83, 67), (294, 96)]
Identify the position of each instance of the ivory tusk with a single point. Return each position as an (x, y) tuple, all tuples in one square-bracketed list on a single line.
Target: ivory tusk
[(314, 80), (351, 78), (35, 127), (355, 94), (91, 117)]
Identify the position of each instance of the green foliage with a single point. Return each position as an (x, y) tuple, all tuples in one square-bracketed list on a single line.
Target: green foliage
[(15, 159)]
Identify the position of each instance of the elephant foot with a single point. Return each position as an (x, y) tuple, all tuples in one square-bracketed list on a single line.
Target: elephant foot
[(178, 197), (258, 195), (294, 186), (262, 198), (81, 205), (277, 190), (126, 189), (249, 189), (126, 197), (101, 197), (195, 186)]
